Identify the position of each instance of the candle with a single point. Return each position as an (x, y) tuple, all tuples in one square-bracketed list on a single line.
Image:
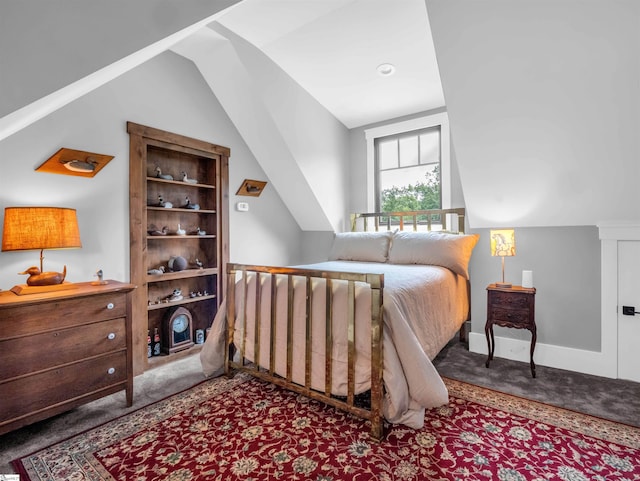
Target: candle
[(527, 278)]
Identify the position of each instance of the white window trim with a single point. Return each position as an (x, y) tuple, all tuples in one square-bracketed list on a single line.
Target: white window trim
[(434, 120)]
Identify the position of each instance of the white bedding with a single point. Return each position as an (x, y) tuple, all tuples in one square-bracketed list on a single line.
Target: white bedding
[(424, 307)]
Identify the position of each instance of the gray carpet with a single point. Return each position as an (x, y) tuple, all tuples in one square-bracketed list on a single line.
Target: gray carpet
[(612, 399)]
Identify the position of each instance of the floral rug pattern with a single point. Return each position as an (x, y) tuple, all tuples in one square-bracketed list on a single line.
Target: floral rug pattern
[(241, 428)]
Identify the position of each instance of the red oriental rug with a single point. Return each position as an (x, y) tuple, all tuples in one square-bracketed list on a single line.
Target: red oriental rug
[(245, 429)]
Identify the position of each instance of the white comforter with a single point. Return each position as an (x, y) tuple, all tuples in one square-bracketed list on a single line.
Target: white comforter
[(424, 306)]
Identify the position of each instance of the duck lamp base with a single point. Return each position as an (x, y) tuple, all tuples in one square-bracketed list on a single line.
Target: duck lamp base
[(40, 282)]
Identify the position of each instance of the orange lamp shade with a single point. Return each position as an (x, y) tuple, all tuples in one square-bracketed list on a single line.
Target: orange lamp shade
[(28, 228)]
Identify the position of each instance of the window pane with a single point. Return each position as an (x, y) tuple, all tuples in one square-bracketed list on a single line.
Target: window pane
[(388, 154), (430, 147), (410, 188), (408, 151)]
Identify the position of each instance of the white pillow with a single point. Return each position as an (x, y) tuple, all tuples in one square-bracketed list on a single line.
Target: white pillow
[(361, 246), (433, 248)]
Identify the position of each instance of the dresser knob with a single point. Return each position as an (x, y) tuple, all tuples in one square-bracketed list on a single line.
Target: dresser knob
[(111, 370), (111, 305), (111, 336)]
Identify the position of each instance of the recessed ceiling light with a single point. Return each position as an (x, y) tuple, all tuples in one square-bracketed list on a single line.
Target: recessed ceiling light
[(386, 69)]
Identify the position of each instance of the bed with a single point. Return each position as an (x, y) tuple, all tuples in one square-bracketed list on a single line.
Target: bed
[(364, 324)]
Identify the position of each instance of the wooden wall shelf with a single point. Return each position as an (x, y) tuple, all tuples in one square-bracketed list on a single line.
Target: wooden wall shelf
[(63, 161)]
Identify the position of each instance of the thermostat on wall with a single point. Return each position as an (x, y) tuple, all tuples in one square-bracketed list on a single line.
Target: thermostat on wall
[(242, 206)]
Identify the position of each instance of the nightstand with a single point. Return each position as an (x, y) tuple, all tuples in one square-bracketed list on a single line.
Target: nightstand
[(510, 307)]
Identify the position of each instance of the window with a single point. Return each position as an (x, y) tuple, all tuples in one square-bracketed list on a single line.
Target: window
[(408, 165), (407, 170)]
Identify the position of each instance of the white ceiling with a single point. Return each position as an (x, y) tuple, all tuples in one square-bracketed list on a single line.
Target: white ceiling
[(332, 48)]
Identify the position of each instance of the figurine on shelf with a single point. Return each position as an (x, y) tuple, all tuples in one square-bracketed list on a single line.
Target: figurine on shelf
[(199, 263), (162, 203), (189, 205), (153, 230), (180, 231), (175, 296), (177, 263), (197, 231), (185, 178), (100, 282), (157, 271), (160, 175)]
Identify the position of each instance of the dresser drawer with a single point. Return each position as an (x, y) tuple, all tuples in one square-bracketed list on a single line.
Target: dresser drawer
[(510, 300), (512, 316), (61, 313), (29, 354), (48, 388)]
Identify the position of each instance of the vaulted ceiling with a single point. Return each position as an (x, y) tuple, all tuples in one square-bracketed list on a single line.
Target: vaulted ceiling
[(542, 96), (332, 49)]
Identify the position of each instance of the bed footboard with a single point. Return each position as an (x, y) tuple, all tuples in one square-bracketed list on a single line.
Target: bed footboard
[(242, 319)]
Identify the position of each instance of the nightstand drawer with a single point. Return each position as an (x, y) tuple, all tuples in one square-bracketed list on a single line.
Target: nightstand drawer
[(34, 353), (30, 394), (511, 300), (511, 316)]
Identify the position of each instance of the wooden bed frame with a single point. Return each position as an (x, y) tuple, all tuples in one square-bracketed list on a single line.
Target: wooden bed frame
[(240, 272)]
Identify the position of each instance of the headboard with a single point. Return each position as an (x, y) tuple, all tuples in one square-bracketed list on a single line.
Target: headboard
[(427, 220)]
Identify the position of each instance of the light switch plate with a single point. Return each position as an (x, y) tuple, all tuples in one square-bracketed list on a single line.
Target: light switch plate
[(242, 206)]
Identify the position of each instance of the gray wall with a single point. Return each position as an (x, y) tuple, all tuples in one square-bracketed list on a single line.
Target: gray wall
[(566, 274), (166, 92)]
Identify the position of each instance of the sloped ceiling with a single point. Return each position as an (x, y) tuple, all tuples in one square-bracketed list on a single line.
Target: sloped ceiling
[(310, 67), (267, 108), (332, 48), (544, 108), (300, 66), (53, 52)]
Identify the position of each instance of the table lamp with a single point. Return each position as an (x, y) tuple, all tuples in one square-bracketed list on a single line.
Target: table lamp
[(32, 228), (503, 244)]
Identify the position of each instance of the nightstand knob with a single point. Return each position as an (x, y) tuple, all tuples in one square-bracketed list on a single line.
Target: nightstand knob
[(111, 305), (111, 336), (111, 370)]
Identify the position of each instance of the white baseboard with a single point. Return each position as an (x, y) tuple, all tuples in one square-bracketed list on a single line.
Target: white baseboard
[(570, 359)]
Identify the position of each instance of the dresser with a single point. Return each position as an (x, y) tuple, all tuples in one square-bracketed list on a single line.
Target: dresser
[(62, 349), (514, 307)]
